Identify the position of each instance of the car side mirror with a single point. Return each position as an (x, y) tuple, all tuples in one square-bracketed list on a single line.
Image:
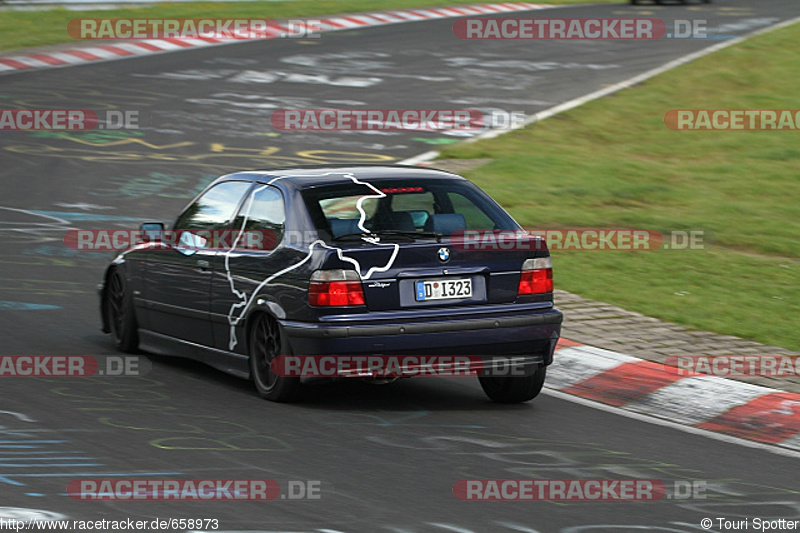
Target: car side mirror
[(152, 231)]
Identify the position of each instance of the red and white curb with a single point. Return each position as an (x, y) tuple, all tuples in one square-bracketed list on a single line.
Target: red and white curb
[(711, 403), (77, 56)]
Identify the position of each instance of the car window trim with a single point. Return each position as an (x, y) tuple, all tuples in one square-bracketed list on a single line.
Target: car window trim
[(251, 190), (228, 223)]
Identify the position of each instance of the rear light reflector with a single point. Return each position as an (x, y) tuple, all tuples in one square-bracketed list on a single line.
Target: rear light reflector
[(536, 276), (335, 288)]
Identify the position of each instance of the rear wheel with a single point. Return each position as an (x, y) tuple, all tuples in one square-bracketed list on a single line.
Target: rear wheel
[(120, 315), (267, 341), (515, 389)]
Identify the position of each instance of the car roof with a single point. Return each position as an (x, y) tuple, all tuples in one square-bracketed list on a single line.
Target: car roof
[(321, 175)]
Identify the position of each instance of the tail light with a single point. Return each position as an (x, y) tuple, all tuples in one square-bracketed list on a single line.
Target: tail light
[(335, 288), (537, 276)]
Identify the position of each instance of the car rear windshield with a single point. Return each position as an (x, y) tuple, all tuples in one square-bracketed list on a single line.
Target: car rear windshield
[(407, 208)]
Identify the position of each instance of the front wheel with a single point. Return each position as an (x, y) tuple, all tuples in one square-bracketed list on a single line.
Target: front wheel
[(120, 315), (515, 389), (267, 341)]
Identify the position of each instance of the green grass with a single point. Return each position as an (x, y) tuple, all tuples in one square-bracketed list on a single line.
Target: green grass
[(26, 29), (613, 163)]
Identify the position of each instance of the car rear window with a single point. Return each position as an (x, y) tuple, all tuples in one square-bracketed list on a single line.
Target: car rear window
[(406, 206)]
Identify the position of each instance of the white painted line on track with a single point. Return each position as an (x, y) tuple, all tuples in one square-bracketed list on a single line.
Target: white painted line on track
[(630, 82), (650, 419)]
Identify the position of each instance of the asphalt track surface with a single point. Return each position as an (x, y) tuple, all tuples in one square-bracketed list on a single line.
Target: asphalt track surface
[(387, 456)]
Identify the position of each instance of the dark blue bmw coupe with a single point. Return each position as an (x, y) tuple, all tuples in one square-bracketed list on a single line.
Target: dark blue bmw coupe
[(362, 260)]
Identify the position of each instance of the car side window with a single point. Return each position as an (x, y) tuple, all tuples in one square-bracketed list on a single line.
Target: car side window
[(214, 209), (264, 214)]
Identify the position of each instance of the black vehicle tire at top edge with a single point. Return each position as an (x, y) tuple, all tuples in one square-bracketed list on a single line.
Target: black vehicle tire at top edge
[(267, 341), (120, 314), (513, 389)]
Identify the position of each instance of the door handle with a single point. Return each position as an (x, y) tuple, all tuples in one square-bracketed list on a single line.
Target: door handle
[(203, 265)]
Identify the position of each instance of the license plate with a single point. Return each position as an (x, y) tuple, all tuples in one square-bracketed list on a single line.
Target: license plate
[(443, 289)]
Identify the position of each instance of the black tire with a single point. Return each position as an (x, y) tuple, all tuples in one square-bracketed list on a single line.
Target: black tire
[(266, 342), (513, 389), (120, 314)]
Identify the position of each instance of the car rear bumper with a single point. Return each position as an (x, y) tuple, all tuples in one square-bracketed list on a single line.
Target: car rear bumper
[(527, 332)]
